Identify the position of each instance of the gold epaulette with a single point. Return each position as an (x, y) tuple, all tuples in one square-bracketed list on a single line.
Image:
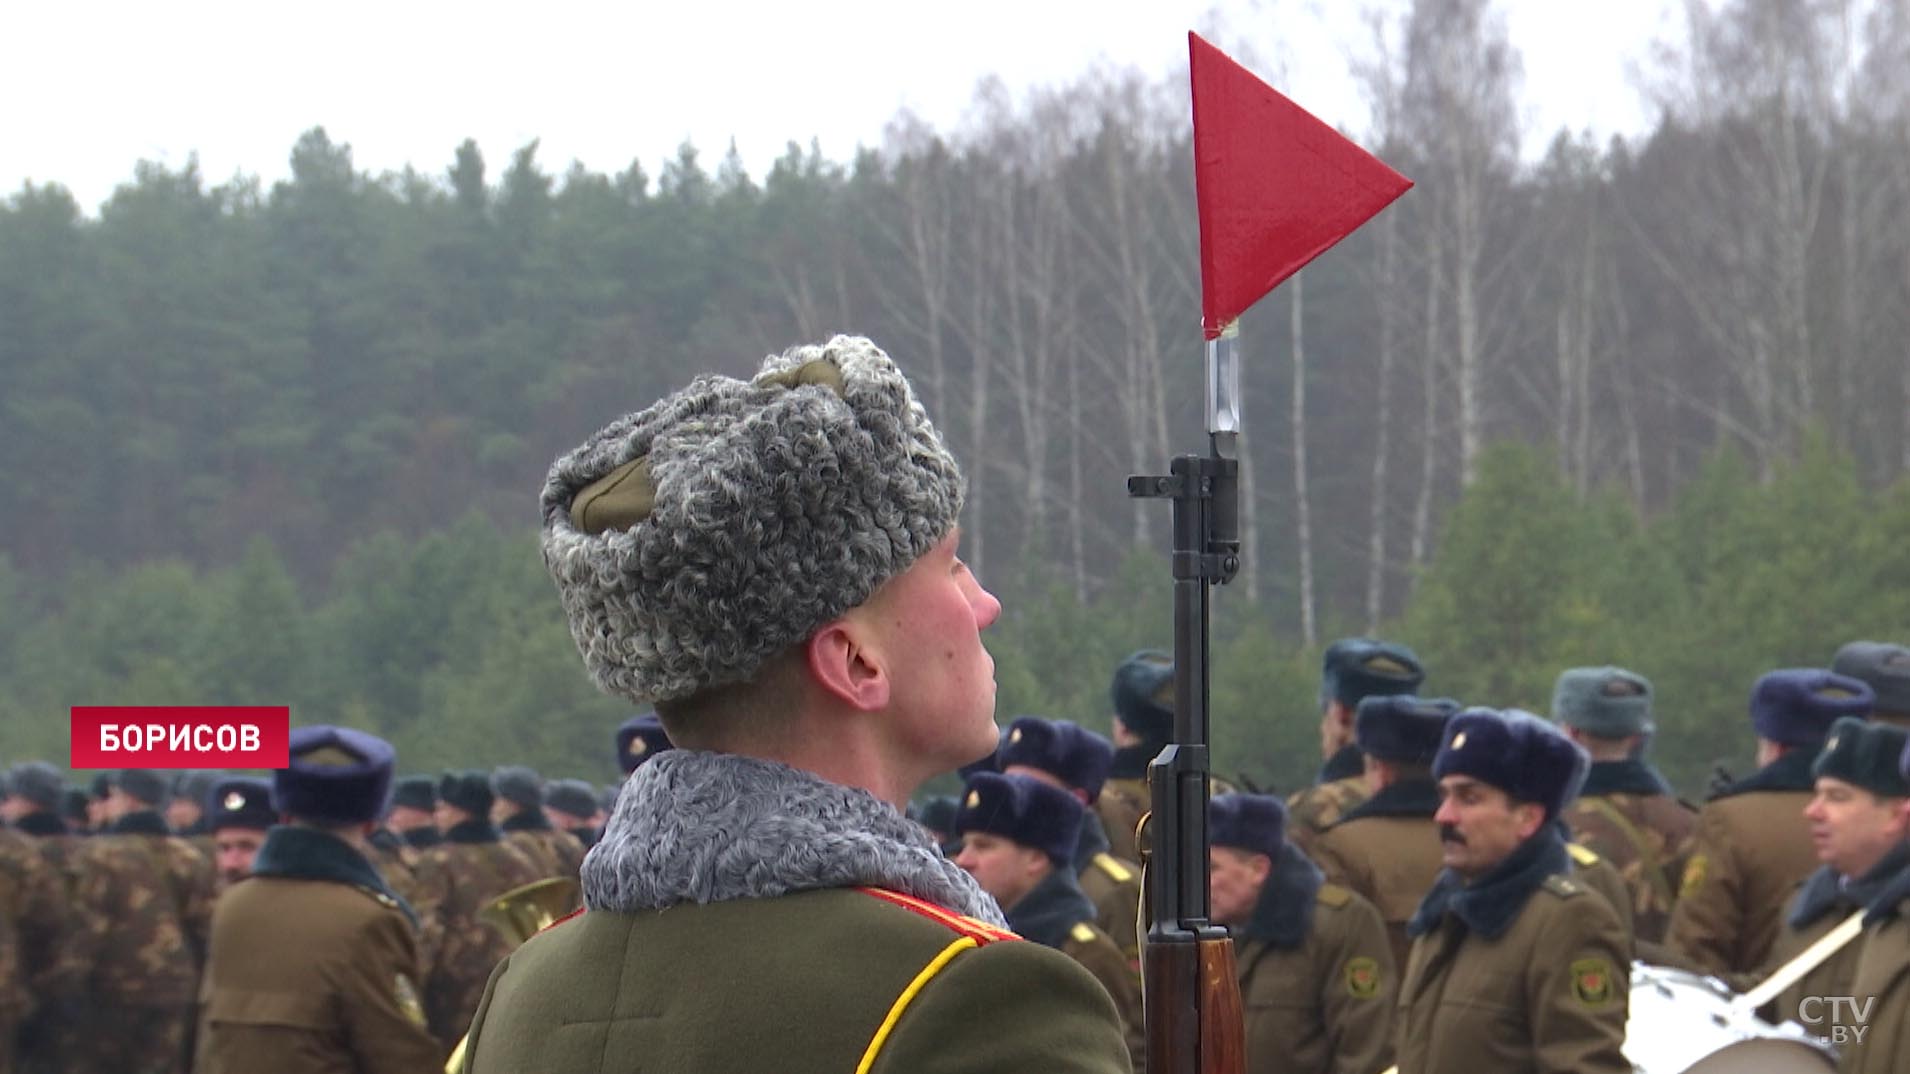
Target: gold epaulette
[(1586, 857), (1082, 932), (1334, 895), (1112, 866)]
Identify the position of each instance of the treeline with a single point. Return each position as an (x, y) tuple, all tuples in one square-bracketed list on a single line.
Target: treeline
[(453, 644), (305, 384)]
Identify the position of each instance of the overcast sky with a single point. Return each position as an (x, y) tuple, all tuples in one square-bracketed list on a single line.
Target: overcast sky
[(92, 86)]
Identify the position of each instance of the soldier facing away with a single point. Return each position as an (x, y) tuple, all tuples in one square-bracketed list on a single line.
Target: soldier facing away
[(338, 992), (1885, 668), (773, 563), (1142, 695), (1626, 813), (1351, 670)]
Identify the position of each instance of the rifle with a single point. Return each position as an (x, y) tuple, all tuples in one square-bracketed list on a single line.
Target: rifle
[(1276, 188)]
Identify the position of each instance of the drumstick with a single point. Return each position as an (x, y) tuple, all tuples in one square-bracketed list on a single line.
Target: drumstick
[(1794, 970)]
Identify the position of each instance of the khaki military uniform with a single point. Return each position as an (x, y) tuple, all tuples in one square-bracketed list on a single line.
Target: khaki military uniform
[(1883, 973), (1113, 885), (129, 973), (1822, 903), (842, 979), (1122, 804), (1752, 848), (1312, 811), (1058, 914), (1550, 993), (453, 881), (1600, 877), (1387, 851), (1322, 1005), (338, 993)]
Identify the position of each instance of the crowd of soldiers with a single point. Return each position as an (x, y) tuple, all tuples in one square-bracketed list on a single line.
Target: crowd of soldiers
[(1467, 888), (114, 899)]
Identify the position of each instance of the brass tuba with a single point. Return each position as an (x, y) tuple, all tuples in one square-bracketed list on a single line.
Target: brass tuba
[(520, 914)]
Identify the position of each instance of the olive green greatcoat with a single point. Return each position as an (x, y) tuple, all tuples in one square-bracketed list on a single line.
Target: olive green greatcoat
[(1551, 993), (1600, 876), (1325, 1006), (834, 980), (1750, 852), (337, 994), (1882, 972), (1114, 886), (1121, 805)]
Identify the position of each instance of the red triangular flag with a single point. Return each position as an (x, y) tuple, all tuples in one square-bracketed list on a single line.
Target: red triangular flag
[(1275, 186)]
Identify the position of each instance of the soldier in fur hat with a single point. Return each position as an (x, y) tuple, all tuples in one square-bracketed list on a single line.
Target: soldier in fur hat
[(314, 963), (1351, 670), (1316, 971), (772, 563), (1514, 964), (1753, 844)]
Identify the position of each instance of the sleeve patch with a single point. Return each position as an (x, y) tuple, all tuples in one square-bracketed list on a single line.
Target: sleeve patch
[(1592, 982), (1362, 977)]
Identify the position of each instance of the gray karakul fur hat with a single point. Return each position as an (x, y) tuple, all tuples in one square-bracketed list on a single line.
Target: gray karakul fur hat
[(695, 539)]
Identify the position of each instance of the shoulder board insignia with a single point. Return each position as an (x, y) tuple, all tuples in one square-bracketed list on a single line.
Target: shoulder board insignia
[(1695, 869), (1562, 886), (1334, 895), (1113, 866), (979, 931), (1583, 855), (378, 897), (1082, 932)]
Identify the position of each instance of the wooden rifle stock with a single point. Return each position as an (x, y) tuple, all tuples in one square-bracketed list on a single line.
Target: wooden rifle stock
[(1197, 992)]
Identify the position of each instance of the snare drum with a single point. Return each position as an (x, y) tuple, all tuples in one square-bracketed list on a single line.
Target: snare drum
[(1683, 1023)]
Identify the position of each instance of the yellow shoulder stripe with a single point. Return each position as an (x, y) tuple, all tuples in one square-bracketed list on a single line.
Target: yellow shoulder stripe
[(1585, 856), (1082, 932), (908, 995), (1112, 866)]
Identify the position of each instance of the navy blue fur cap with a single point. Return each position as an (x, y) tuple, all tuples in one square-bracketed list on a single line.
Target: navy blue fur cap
[(1865, 754), (1071, 753), (240, 802), (640, 738), (1796, 706), (1402, 728), (336, 775), (1517, 752), (1255, 823), (1357, 668), (1023, 809), (1143, 694)]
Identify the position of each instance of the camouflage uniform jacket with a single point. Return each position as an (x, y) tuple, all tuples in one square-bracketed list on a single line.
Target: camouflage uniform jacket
[(454, 881), (1317, 979), (1113, 886), (1312, 811), (1751, 850), (337, 993), (1056, 914), (556, 852), (32, 918), (141, 915), (1523, 970), (1627, 814)]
